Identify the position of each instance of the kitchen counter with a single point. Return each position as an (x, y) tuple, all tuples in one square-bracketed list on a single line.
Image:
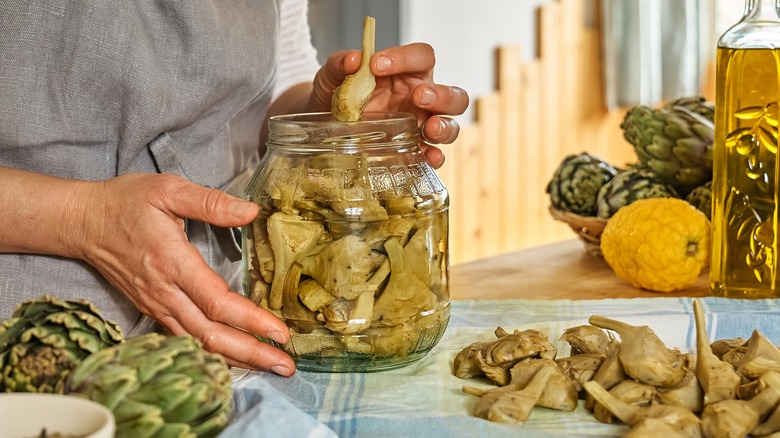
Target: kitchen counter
[(562, 270)]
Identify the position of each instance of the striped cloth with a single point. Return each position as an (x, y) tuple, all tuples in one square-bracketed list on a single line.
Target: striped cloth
[(425, 400)]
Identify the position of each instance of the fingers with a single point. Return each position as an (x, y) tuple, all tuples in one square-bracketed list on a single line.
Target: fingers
[(186, 199), (440, 130), (441, 99), (433, 155), (413, 58)]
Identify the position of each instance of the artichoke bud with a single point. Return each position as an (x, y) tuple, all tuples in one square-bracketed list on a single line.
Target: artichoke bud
[(680, 135), (158, 386), (46, 338), (576, 183)]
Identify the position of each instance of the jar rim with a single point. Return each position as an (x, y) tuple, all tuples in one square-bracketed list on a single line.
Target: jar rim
[(320, 118)]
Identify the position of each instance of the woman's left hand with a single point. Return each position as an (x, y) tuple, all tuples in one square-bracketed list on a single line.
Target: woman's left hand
[(404, 82)]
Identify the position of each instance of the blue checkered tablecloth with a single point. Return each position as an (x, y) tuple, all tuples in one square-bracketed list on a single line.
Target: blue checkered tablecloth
[(425, 400)]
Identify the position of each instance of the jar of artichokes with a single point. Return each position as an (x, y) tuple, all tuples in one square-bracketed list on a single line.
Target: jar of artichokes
[(350, 246)]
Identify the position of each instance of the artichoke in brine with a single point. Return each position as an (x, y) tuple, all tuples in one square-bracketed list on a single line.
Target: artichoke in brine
[(628, 186), (46, 338), (577, 181), (675, 142), (158, 386)]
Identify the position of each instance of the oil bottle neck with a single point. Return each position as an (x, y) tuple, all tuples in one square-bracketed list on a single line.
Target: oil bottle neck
[(761, 10)]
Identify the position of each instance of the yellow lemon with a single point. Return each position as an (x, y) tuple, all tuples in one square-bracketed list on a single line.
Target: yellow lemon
[(660, 244)]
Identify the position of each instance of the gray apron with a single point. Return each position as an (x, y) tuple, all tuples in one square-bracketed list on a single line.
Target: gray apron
[(94, 89)]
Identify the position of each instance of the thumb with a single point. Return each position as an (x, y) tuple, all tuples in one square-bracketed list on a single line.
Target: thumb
[(212, 206)]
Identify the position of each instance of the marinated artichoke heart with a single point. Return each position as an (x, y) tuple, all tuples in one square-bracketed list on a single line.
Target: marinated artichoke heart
[(368, 271), (46, 338), (628, 186), (158, 386), (576, 183), (351, 97), (675, 141)]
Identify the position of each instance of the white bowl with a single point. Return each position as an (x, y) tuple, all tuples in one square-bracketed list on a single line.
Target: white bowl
[(25, 415)]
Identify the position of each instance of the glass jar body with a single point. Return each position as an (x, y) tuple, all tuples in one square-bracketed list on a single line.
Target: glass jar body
[(745, 172), (350, 246)]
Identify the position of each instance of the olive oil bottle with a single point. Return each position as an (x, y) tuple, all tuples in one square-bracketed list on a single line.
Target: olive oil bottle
[(745, 171)]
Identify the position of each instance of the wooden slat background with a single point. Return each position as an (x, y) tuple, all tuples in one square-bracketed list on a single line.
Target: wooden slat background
[(542, 110)]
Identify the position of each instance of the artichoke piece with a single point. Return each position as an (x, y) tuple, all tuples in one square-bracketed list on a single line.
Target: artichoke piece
[(687, 393), (718, 379), (609, 374), (511, 406), (405, 296), (351, 97), (681, 420), (465, 366), (737, 418), (629, 391), (588, 339), (155, 385), (576, 183), (352, 317), (498, 357), (772, 423), (291, 238), (297, 316), (628, 186), (722, 347), (46, 338), (674, 141), (343, 266), (643, 355), (560, 392), (580, 368), (761, 356)]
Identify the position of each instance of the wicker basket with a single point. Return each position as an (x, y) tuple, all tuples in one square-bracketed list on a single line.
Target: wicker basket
[(588, 228)]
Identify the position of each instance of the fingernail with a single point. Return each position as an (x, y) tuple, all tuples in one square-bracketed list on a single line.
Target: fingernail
[(442, 127), (281, 370), (428, 97), (383, 63), (276, 336), (239, 208)]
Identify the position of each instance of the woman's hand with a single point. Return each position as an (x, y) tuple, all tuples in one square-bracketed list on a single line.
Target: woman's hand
[(404, 82), (133, 233)]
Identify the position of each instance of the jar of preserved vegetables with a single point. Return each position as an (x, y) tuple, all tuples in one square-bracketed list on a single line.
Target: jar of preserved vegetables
[(350, 246)]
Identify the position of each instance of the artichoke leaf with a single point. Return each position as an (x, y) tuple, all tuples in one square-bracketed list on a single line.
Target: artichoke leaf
[(405, 295), (343, 266)]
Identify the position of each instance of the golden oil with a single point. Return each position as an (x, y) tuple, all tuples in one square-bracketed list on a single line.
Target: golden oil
[(744, 192)]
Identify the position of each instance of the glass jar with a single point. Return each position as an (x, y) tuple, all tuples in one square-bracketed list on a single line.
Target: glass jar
[(350, 246), (744, 187)]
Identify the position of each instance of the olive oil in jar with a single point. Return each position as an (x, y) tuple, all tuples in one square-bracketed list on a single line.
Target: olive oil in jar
[(745, 199)]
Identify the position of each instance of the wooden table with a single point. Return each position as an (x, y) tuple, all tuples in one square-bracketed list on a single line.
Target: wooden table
[(560, 270)]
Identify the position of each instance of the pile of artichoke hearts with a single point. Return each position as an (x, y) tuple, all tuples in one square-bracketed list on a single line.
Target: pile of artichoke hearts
[(727, 388)]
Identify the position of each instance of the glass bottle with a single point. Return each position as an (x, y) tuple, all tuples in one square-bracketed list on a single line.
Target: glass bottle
[(745, 187), (350, 246)]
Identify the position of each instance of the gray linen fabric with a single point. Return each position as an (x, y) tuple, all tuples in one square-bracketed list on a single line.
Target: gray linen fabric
[(93, 89)]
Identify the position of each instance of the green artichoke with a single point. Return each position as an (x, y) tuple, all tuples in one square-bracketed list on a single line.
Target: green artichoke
[(577, 181), (628, 186), (46, 338), (674, 141), (701, 198), (158, 386)]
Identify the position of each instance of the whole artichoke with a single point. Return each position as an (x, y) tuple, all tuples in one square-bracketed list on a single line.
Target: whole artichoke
[(158, 386), (701, 198), (46, 338), (628, 186), (674, 141), (577, 181)]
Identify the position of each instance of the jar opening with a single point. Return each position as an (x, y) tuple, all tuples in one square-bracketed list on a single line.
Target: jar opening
[(321, 130)]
